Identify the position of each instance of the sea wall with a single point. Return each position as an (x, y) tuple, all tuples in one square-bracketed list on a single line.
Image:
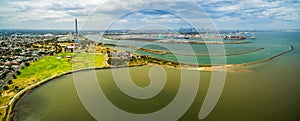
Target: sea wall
[(264, 60)]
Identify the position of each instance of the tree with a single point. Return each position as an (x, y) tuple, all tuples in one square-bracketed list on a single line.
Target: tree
[(18, 72), (5, 87), (10, 82), (109, 61), (27, 64), (14, 76)]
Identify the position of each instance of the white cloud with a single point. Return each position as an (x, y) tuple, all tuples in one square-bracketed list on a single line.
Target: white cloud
[(54, 13), (254, 12)]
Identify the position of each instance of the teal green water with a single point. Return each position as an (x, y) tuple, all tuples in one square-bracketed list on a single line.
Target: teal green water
[(273, 44), (267, 91)]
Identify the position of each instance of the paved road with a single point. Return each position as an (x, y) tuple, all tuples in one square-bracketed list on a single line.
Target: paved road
[(9, 76)]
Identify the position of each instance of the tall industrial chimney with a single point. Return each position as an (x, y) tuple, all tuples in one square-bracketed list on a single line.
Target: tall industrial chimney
[(76, 28)]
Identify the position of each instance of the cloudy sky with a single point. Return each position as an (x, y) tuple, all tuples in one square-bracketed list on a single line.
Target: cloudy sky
[(135, 14)]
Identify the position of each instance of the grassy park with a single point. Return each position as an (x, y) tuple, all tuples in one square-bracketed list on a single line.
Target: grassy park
[(47, 67)]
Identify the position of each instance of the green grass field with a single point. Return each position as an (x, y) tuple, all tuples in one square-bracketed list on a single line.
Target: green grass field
[(47, 67), (50, 66)]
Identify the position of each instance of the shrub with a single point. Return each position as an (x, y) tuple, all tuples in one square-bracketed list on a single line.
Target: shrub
[(10, 82), (18, 72), (5, 87)]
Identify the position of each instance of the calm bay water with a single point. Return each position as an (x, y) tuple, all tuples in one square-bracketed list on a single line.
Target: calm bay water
[(266, 91), (273, 43)]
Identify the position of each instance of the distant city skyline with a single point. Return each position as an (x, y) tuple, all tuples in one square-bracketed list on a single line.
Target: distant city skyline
[(99, 14)]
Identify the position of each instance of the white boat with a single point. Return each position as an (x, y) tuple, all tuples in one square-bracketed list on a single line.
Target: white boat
[(253, 37)]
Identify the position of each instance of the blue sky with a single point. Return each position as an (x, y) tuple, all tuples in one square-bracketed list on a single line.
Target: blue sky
[(153, 14)]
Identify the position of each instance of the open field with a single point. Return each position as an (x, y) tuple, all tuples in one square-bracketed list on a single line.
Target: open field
[(47, 67)]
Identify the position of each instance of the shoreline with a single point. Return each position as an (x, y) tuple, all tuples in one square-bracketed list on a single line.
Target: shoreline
[(15, 99), (205, 68), (209, 68), (160, 52), (201, 55), (264, 60), (174, 41)]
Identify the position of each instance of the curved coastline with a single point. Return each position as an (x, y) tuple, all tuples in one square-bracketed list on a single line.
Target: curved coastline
[(166, 52), (14, 100), (264, 60), (179, 41), (160, 52), (206, 67)]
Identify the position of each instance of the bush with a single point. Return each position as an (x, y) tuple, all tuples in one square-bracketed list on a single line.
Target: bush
[(18, 72), (14, 76), (10, 82), (27, 64), (5, 87)]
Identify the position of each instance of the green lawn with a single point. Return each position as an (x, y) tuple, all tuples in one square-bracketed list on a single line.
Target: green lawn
[(50, 66), (44, 68), (88, 60)]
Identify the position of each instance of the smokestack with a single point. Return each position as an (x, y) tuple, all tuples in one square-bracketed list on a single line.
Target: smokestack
[(76, 28)]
